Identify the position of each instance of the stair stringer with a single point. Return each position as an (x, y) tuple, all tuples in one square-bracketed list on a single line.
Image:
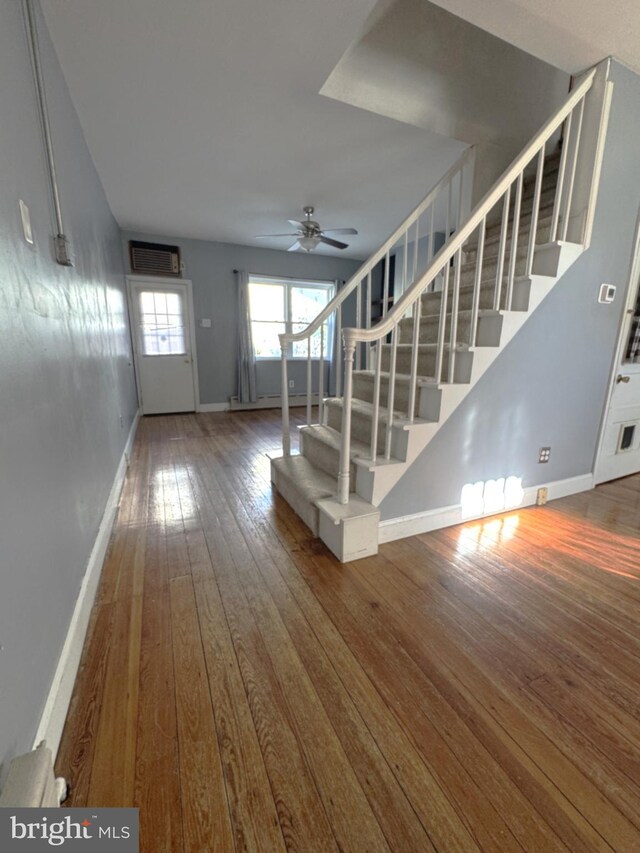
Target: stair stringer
[(438, 401)]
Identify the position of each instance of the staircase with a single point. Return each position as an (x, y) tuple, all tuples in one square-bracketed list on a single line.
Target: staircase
[(406, 374)]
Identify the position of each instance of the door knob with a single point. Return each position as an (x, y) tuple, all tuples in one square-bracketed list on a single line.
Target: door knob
[(621, 378)]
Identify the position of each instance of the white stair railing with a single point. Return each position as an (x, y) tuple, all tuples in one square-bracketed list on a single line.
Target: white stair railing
[(446, 267), (415, 235)]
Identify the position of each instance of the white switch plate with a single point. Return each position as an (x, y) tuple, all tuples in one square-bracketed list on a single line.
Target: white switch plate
[(26, 222), (205, 323)]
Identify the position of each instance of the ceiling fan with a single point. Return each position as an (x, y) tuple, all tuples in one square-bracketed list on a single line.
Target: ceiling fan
[(309, 234)]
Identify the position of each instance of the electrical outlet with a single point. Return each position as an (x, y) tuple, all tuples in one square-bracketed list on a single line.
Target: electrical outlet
[(292, 383), (545, 454), (541, 497)]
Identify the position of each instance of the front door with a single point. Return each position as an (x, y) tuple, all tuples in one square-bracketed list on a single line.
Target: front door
[(619, 453), (162, 345)]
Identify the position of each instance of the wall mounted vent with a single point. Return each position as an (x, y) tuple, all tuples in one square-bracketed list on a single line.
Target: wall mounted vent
[(154, 258)]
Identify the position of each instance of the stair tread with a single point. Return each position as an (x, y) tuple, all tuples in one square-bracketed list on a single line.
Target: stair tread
[(365, 408), (330, 436), (312, 483), (357, 507), (422, 347)]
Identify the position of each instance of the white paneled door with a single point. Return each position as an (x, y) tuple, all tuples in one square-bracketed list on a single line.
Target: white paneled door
[(162, 336), (619, 452)]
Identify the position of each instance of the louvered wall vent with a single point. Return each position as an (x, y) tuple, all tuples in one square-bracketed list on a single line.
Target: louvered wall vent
[(154, 258)]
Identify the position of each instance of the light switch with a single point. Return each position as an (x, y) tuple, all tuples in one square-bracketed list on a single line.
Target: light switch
[(205, 323), (26, 222)]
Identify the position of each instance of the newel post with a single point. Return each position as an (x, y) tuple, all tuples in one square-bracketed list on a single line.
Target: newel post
[(284, 400), (345, 445)]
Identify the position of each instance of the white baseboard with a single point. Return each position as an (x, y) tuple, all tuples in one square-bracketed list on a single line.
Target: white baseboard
[(57, 704), (272, 401), (213, 407), (434, 519)]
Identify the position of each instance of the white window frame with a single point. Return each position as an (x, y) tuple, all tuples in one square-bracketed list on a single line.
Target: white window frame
[(290, 284)]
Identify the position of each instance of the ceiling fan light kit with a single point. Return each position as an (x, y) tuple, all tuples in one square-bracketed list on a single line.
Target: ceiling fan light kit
[(308, 243), (309, 234)]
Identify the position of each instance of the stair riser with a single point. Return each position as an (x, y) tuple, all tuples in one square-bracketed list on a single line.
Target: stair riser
[(426, 367), (547, 195), (489, 269), (429, 330), (324, 456), (431, 301), (547, 199), (492, 244), (494, 227), (305, 510), (549, 182), (360, 425)]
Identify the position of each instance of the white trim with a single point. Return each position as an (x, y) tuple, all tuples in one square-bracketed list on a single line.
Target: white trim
[(166, 282), (434, 519), (57, 704), (272, 401), (214, 407)]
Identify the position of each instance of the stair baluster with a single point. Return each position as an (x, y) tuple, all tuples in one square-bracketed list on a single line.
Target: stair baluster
[(455, 301), (376, 404), (535, 211), (391, 390), (475, 304), (515, 230), (309, 381), (503, 248), (566, 141), (572, 175)]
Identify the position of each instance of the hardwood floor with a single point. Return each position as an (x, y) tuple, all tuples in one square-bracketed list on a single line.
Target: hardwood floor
[(476, 688)]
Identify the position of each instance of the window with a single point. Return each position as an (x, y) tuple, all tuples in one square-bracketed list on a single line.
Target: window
[(287, 305), (161, 323)]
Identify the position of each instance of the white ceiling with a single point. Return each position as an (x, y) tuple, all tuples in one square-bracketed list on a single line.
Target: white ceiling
[(570, 34), (205, 120), (204, 117)]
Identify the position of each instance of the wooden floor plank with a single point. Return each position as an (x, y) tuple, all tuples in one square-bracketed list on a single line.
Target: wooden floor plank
[(471, 689), (206, 819)]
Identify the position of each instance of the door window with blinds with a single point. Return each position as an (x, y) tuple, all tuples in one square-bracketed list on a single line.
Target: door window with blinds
[(278, 305), (161, 323)]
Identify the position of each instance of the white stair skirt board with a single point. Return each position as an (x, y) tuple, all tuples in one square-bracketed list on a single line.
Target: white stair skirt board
[(435, 519), (57, 704)]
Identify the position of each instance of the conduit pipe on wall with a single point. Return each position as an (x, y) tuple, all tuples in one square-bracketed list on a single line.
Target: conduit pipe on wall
[(61, 243)]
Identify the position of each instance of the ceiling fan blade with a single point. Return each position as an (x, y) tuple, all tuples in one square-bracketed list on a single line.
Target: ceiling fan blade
[(339, 231), (335, 243), (295, 247), (262, 236), (296, 223)]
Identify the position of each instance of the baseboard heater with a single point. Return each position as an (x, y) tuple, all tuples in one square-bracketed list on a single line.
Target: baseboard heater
[(272, 401), (32, 782)]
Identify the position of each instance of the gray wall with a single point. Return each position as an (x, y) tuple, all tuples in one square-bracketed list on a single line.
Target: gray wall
[(210, 267), (548, 388), (65, 380)]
